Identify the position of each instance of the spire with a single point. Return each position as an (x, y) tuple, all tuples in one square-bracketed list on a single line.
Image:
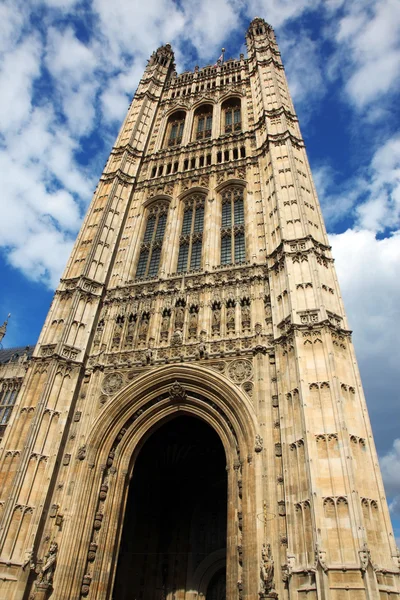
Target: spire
[(3, 328)]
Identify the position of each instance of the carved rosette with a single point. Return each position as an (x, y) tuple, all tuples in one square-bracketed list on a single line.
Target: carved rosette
[(240, 370), (112, 383)]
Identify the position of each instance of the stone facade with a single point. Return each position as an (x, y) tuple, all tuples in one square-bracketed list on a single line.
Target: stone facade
[(201, 284)]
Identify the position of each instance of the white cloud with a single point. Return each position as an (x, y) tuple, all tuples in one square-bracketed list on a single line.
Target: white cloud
[(370, 200), (73, 67), (18, 70), (368, 46), (390, 465), (278, 12), (303, 63), (369, 276)]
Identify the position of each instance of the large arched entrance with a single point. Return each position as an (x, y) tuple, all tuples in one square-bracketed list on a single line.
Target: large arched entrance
[(175, 528)]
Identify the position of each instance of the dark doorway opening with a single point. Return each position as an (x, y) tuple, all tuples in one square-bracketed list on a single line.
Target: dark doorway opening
[(176, 516)]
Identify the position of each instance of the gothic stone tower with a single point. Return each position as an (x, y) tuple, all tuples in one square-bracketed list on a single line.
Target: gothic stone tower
[(192, 423)]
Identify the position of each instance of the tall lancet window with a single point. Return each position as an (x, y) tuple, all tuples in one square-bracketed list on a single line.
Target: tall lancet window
[(231, 115), (203, 122), (150, 251), (191, 240), (175, 127), (233, 249), (8, 395)]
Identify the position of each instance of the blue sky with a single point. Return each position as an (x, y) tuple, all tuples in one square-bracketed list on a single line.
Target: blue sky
[(68, 70)]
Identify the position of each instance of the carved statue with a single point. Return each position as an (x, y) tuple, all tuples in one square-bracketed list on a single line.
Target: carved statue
[(148, 355), (216, 319), (165, 325), (179, 317), (267, 569), (193, 322), (50, 560), (230, 317), (246, 316), (144, 327)]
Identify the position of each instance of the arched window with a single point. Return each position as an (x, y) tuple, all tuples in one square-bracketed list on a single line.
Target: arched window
[(233, 248), (231, 115), (174, 132), (190, 243), (8, 395), (150, 252), (202, 126)]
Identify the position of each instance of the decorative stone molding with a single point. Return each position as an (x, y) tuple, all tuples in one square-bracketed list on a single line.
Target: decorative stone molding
[(177, 392), (240, 370), (112, 383)]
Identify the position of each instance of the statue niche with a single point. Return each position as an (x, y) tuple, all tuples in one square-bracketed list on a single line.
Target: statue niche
[(230, 316), (245, 314), (130, 330), (119, 323), (179, 314), (216, 318), (165, 323), (193, 320), (144, 326)]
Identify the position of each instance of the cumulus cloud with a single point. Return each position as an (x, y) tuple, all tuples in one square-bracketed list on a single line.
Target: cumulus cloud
[(369, 275), (370, 199), (368, 42), (304, 68)]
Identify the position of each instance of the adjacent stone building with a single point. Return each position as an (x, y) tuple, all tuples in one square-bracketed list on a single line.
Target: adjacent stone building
[(192, 422)]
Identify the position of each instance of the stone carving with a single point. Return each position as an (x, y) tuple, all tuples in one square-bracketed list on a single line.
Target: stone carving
[(81, 454), (144, 327), (239, 370), (148, 355), (176, 339), (49, 565), (177, 391), (202, 348), (259, 444), (217, 366), (216, 318), (246, 317), (320, 558), (267, 573), (166, 318), (86, 581), (365, 557), (230, 318), (193, 319), (248, 388), (179, 317), (112, 383)]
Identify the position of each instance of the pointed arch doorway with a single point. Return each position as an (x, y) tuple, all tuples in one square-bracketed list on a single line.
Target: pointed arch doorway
[(173, 544)]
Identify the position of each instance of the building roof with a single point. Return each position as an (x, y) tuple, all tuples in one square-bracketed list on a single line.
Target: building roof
[(8, 355)]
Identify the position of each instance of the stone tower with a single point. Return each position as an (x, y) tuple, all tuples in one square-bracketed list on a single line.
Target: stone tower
[(192, 423)]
